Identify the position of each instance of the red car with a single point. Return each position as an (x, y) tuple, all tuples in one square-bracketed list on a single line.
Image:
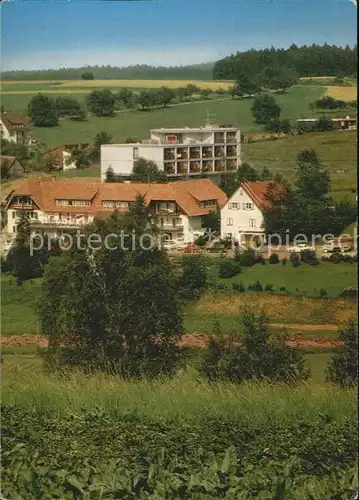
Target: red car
[(192, 248)]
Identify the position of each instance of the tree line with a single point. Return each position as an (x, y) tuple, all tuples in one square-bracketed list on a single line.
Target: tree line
[(314, 60), (143, 72), (45, 111)]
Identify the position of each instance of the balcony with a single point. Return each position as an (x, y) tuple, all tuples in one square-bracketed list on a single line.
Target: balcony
[(207, 166), (219, 152), (169, 154), (194, 153), (231, 151), (182, 167), (170, 168), (168, 225), (207, 152), (182, 153), (231, 165), (219, 137), (194, 166), (58, 222), (231, 137)]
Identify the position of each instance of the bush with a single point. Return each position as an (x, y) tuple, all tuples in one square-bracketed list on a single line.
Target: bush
[(282, 289), (257, 286), (238, 287), (343, 369), (259, 356), (228, 269), (273, 259), (268, 287), (284, 261), (308, 256), (296, 263), (322, 292), (336, 258), (247, 258)]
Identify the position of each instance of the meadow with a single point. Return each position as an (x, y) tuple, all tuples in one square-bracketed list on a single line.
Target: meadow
[(302, 306)]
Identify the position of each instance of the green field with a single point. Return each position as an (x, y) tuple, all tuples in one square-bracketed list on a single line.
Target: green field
[(18, 312), (138, 123)]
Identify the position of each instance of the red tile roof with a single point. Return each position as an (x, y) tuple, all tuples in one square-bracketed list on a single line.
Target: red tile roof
[(258, 192), (14, 121), (186, 194)]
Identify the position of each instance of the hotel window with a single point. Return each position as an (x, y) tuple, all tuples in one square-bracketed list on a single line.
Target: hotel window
[(108, 204), (229, 222), (62, 203), (135, 153), (252, 223), (121, 204), (80, 203)]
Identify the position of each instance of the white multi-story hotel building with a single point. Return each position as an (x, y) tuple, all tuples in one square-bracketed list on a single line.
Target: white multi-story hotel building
[(210, 149)]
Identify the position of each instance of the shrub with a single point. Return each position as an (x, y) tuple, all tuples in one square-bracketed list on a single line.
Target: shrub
[(247, 258), (273, 259), (294, 257), (228, 268), (268, 287), (307, 256), (257, 358), (201, 241), (282, 289), (296, 263), (257, 286), (336, 258), (343, 369), (313, 262), (284, 261), (322, 292)]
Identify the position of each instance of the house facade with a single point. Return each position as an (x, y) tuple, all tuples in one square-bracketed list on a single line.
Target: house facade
[(242, 217), (55, 207), (15, 128), (210, 149), (61, 155)]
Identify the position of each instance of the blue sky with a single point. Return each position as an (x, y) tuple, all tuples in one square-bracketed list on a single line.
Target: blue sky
[(51, 34)]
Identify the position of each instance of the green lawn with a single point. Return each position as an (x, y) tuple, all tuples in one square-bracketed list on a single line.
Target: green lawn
[(303, 280)]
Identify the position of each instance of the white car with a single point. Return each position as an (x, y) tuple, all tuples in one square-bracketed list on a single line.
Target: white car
[(329, 248), (300, 247)]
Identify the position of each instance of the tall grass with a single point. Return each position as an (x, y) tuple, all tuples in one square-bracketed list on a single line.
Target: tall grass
[(181, 397)]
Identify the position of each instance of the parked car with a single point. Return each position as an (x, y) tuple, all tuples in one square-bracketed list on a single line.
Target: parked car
[(300, 247), (332, 248), (192, 248)]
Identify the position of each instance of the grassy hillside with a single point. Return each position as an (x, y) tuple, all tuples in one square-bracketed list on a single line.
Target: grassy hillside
[(337, 150)]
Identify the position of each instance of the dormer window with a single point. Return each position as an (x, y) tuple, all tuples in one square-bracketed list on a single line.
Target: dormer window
[(207, 204)]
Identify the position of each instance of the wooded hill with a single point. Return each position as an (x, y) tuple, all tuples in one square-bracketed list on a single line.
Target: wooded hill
[(314, 60)]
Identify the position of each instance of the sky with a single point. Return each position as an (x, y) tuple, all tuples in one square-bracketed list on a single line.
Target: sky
[(57, 33)]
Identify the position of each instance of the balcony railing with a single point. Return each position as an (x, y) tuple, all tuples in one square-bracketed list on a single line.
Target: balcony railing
[(169, 225), (57, 222)]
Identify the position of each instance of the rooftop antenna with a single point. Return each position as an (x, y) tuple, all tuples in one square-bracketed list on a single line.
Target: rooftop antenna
[(208, 121)]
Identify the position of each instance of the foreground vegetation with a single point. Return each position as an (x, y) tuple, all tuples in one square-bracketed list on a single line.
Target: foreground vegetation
[(173, 438)]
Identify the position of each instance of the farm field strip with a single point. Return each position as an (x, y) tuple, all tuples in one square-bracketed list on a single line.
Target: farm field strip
[(343, 92), (212, 84)]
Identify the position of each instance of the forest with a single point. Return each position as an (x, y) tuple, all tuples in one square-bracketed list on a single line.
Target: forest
[(307, 61)]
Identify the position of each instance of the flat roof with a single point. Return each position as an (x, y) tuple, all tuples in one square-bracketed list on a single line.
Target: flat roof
[(215, 128)]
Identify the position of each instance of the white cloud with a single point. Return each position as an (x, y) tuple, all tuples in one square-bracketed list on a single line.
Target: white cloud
[(77, 58)]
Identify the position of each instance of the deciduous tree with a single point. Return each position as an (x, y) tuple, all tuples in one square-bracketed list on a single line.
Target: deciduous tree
[(42, 111)]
